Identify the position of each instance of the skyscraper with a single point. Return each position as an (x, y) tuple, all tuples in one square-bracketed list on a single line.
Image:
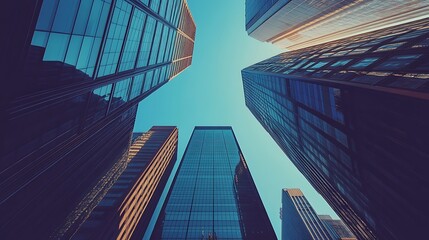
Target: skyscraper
[(352, 116), (295, 24), (337, 228), (126, 209), (77, 71), (299, 220), (213, 195)]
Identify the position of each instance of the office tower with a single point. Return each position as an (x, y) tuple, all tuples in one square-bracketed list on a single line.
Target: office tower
[(299, 220), (77, 71), (126, 209), (352, 116), (337, 228), (296, 24), (213, 195)]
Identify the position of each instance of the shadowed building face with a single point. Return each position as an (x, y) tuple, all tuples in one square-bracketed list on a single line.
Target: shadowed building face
[(77, 72), (352, 116)]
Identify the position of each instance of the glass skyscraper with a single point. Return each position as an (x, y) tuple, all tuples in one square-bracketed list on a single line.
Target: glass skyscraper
[(213, 195), (75, 72), (127, 208), (352, 116), (295, 24)]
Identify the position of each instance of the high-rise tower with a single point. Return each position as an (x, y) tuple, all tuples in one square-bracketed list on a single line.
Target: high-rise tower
[(352, 116), (75, 71), (213, 195), (127, 208)]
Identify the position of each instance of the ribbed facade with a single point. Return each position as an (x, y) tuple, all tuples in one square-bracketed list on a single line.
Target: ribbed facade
[(296, 24), (76, 72), (299, 220), (126, 209), (337, 228), (213, 195), (351, 115)]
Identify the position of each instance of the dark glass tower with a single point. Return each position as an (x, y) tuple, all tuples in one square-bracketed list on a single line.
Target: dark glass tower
[(126, 209), (213, 195), (352, 115), (75, 74), (295, 24)]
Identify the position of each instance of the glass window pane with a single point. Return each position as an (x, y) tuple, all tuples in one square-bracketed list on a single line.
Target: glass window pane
[(56, 47), (73, 50), (364, 63), (156, 44), (146, 42), (94, 18), (148, 81), (398, 62), (82, 17), (46, 15), (133, 40), (120, 94), (65, 16), (85, 52), (98, 103), (115, 38), (40, 39)]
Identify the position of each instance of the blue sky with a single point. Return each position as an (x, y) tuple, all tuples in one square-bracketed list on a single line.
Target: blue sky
[(210, 92)]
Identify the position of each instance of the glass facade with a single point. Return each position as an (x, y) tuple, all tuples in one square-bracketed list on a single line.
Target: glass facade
[(296, 24), (78, 66), (213, 195), (351, 117)]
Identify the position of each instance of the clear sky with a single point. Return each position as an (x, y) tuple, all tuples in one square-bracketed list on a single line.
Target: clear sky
[(210, 92)]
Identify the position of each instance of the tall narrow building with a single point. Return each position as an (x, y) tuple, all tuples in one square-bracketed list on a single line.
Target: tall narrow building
[(299, 220), (127, 208), (75, 71), (296, 24), (213, 195), (352, 116)]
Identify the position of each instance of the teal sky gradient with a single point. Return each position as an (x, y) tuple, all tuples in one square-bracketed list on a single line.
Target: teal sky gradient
[(210, 92)]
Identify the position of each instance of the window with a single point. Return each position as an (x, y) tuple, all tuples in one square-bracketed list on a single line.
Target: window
[(389, 47), (56, 47), (398, 62), (340, 63), (47, 14), (65, 16), (133, 40), (120, 94), (146, 42), (148, 81), (137, 86), (115, 38), (364, 63), (156, 44), (73, 50), (98, 102)]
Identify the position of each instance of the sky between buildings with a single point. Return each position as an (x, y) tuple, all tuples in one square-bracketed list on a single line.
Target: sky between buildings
[(210, 92)]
